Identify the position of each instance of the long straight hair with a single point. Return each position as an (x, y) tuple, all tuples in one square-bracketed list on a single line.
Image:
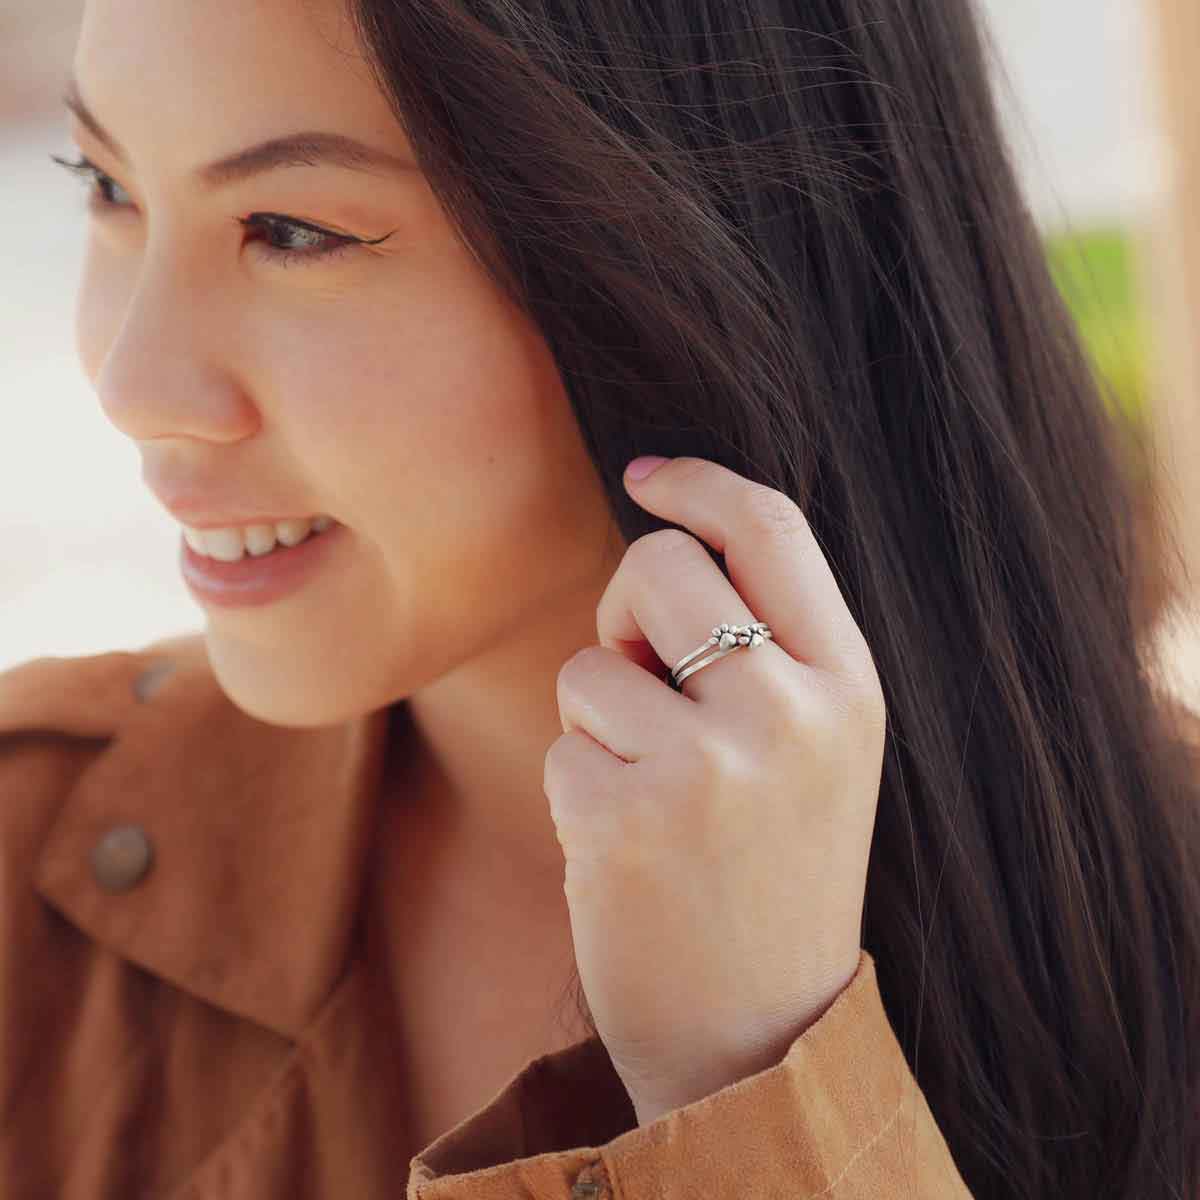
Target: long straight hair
[(789, 238)]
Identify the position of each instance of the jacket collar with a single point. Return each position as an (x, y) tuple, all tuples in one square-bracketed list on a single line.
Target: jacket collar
[(259, 833)]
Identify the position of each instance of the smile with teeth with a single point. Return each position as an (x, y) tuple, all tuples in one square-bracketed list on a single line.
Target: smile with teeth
[(230, 545)]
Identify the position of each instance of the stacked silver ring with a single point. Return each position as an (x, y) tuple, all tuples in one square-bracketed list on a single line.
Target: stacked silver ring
[(727, 638)]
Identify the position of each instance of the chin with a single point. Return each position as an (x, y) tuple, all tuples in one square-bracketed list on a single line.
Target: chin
[(283, 688)]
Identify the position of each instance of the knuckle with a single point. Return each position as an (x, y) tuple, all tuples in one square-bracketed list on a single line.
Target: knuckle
[(651, 547), (554, 773), (564, 773), (585, 661), (869, 704), (857, 706), (811, 728), (719, 756), (578, 670), (788, 710), (771, 511), (863, 688)]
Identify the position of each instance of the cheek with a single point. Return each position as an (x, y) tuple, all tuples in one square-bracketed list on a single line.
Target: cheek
[(99, 309), (443, 406)]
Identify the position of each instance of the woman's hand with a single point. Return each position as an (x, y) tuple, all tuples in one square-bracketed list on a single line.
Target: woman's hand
[(716, 841)]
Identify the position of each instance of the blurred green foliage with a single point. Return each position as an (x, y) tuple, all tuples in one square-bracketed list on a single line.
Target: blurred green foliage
[(1094, 270)]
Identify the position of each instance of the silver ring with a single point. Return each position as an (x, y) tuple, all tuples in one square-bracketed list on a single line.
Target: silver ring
[(727, 638)]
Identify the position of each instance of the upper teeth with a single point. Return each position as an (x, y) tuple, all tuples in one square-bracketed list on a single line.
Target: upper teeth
[(228, 545)]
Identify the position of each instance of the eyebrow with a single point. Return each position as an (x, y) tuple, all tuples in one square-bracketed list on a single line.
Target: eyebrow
[(306, 149)]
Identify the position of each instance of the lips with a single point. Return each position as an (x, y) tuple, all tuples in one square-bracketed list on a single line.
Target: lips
[(202, 508), (250, 580)]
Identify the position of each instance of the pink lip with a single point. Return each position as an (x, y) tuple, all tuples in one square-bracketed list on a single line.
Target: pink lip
[(238, 522), (198, 511), (256, 581)]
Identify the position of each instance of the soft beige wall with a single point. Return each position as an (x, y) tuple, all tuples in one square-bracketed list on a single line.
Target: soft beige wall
[(37, 39), (1171, 279)]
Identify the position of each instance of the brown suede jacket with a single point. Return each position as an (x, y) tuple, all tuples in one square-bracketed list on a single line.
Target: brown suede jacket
[(186, 1012)]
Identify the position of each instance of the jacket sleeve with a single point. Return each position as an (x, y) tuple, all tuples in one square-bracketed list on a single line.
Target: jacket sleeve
[(840, 1115)]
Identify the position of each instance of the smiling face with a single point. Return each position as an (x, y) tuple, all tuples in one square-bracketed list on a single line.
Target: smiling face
[(391, 386)]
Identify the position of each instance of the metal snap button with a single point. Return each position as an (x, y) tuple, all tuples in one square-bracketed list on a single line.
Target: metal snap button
[(148, 682), (121, 858), (592, 1182)]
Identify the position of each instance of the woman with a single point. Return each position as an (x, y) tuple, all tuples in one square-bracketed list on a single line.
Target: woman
[(884, 888)]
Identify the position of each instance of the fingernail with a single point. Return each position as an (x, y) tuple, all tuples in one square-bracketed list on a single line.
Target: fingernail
[(645, 466)]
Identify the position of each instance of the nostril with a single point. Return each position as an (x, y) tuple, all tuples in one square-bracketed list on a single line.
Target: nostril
[(148, 682)]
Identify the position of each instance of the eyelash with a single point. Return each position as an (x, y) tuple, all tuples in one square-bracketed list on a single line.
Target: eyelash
[(100, 199)]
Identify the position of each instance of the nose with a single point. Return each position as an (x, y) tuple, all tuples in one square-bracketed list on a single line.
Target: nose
[(170, 369)]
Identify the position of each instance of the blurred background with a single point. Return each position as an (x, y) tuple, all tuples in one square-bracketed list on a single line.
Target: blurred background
[(1102, 106)]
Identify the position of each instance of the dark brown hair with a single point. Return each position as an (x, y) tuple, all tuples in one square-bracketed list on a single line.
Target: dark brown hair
[(788, 237)]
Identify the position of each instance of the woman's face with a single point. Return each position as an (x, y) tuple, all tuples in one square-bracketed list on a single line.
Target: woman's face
[(391, 386)]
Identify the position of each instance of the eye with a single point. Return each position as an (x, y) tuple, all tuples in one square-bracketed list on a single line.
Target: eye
[(301, 240), (103, 185)]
